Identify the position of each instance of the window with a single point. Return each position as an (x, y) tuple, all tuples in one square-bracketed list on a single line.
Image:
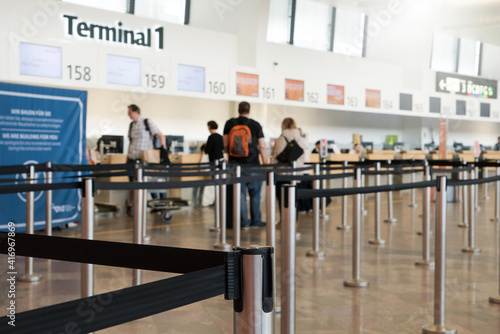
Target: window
[(172, 11), (444, 53), (468, 61), (313, 25), (280, 13), (113, 5), (349, 32)]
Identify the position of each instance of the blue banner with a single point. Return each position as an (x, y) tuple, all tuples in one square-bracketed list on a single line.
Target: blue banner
[(40, 124)]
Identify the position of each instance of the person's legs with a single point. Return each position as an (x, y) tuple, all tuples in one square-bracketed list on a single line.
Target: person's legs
[(254, 189), (244, 210)]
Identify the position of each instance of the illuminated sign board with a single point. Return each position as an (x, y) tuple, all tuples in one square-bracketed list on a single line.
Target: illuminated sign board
[(464, 85), (247, 84), (335, 94), (294, 90)]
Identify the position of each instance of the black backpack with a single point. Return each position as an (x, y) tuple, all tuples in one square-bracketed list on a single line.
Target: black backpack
[(156, 142), (291, 152)]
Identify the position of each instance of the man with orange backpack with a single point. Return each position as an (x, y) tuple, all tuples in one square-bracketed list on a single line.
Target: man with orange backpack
[(244, 141)]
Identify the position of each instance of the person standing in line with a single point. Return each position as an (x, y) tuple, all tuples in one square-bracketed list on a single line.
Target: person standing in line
[(141, 132), (215, 144), (244, 141)]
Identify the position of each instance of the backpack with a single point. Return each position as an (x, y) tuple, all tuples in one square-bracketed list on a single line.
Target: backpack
[(240, 140), (291, 152)]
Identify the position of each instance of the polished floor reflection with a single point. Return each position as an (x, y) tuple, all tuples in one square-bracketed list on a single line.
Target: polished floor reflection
[(399, 298)]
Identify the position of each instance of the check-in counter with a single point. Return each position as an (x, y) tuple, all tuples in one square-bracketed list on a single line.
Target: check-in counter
[(381, 155), (408, 155)]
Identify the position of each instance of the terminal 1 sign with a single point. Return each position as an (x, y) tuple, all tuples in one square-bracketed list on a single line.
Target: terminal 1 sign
[(465, 85)]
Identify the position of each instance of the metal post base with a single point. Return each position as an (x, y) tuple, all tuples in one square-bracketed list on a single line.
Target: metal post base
[(298, 235), (214, 229), (325, 217), (464, 225), (29, 278), (344, 227), (356, 283), (478, 209), (495, 300), (471, 250), (390, 220), (495, 220), (224, 247), (146, 239), (425, 263), (413, 205), (433, 329), (364, 212), (422, 233), (316, 254), (376, 242)]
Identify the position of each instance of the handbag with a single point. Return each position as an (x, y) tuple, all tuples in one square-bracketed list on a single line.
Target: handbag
[(291, 152)]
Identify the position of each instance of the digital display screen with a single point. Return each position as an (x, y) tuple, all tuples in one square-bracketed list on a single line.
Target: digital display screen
[(191, 78), (405, 101), (294, 90), (461, 108), (335, 94), (40, 60), (485, 110), (372, 98), (435, 105), (123, 70), (247, 84)]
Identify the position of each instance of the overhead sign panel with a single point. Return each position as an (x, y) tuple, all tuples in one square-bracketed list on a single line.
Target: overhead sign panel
[(465, 85)]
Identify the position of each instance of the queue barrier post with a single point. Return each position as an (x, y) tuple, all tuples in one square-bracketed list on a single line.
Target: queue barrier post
[(288, 259), (486, 185), (377, 239), (356, 281), (426, 223), (390, 210), (145, 238), (48, 201), (237, 209), (222, 244), (344, 225), (138, 216), (439, 326), (364, 212), (87, 282), (323, 199), (471, 236), (315, 252), (253, 311), (465, 200), (476, 187), (413, 204), (497, 198), (496, 299), (271, 229), (29, 276), (216, 227)]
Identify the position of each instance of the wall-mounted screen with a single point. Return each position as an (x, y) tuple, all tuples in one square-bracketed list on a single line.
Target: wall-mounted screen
[(191, 78), (485, 110), (123, 70), (372, 98), (461, 108), (335, 94), (405, 101), (40, 60), (294, 90), (435, 105), (247, 84)]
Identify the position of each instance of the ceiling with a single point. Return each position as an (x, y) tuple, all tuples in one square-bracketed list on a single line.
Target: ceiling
[(470, 19)]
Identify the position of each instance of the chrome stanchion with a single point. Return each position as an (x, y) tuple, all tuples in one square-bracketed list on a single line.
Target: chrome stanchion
[(145, 238), (138, 225), (377, 240), (476, 188), (497, 198), (486, 187), (298, 235), (222, 244), (390, 210), (29, 276), (288, 259), (253, 312), (439, 325), (426, 223), (315, 252), (216, 227), (323, 200), (496, 299), (472, 220), (364, 212), (237, 209), (465, 199), (48, 201), (271, 228), (88, 234), (413, 204), (356, 281), (344, 225)]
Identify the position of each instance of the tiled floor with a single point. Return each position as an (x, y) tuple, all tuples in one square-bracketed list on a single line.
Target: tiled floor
[(398, 300)]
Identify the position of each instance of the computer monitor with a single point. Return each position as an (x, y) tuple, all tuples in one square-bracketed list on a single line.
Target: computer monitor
[(398, 146), (368, 145), (175, 143), (388, 147), (458, 146), (110, 144)]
